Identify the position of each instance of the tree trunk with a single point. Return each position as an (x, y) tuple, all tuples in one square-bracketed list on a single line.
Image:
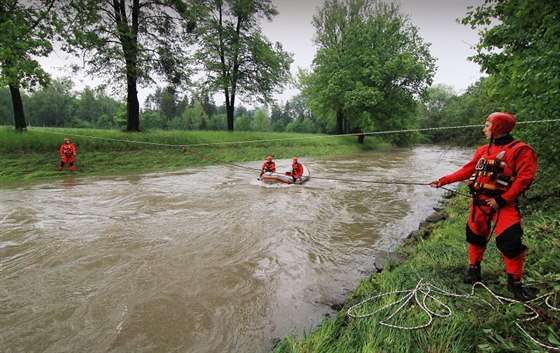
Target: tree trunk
[(361, 139), (133, 107), (230, 109), (19, 116), (339, 122)]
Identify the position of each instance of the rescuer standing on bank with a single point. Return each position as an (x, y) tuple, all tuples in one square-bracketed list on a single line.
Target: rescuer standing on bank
[(498, 174), (67, 154)]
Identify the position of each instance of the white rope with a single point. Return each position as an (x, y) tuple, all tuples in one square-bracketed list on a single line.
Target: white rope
[(425, 291), (291, 138), (107, 138)]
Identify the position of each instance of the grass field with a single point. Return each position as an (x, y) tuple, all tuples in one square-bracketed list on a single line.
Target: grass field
[(34, 154)]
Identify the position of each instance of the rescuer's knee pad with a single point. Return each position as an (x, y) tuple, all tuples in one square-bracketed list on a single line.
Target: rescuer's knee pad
[(475, 239), (509, 241)]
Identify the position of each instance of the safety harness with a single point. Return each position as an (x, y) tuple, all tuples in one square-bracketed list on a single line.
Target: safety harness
[(492, 176), (68, 150), (268, 167)]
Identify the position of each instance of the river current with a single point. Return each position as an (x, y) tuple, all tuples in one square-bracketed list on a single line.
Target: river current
[(201, 260)]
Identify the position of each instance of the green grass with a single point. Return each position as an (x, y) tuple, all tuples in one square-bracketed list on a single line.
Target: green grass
[(440, 259), (34, 154)]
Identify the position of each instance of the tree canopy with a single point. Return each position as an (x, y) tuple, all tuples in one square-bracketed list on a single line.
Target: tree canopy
[(521, 52), (27, 29), (370, 66), (130, 41), (236, 57)]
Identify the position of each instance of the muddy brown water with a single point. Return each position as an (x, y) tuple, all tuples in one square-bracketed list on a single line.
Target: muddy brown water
[(205, 260)]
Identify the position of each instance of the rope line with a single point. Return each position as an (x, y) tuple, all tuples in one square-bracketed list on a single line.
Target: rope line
[(424, 291), (108, 138), (291, 138), (200, 155), (372, 181), (184, 149)]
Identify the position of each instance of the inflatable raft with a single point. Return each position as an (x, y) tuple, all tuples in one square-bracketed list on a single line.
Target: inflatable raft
[(285, 177)]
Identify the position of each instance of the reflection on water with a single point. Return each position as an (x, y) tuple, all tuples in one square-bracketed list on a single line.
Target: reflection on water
[(200, 261)]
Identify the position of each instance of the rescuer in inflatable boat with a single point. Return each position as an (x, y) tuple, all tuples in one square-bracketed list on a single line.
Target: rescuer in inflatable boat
[(498, 174), (297, 169), (268, 166), (67, 154)]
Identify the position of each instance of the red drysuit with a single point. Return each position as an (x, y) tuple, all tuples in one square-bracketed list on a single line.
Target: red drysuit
[(268, 166), (67, 154), (503, 171), (297, 170)]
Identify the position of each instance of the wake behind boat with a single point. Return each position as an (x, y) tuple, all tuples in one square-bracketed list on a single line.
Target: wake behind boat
[(285, 177)]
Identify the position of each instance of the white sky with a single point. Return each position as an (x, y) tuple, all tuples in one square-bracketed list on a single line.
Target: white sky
[(451, 42), (435, 19)]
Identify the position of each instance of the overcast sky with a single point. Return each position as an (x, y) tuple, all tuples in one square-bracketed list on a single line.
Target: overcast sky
[(451, 42)]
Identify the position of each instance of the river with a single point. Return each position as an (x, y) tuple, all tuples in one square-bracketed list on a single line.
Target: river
[(201, 260)]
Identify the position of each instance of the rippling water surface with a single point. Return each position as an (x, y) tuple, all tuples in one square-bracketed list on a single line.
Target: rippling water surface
[(205, 260)]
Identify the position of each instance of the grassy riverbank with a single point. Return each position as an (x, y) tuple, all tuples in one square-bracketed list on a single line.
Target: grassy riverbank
[(476, 323), (34, 154)]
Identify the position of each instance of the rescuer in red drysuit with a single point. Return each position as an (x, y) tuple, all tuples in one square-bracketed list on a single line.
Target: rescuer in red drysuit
[(67, 154), (297, 169), (268, 166), (498, 174)]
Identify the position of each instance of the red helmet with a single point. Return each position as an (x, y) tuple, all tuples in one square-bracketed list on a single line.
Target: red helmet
[(269, 158), (295, 159), (502, 123)]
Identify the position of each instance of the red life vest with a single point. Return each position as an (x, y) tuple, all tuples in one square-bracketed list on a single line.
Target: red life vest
[(269, 167), (67, 150), (297, 170), (492, 175)]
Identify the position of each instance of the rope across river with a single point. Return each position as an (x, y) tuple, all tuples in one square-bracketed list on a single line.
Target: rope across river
[(385, 132), (187, 148)]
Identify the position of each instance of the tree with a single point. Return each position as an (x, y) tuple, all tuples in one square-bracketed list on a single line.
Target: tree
[(54, 105), (130, 41), (370, 67), (195, 118), (237, 58), (27, 28), (276, 119), (167, 103), (242, 123), (261, 121), (94, 107), (521, 52), (6, 108), (432, 112)]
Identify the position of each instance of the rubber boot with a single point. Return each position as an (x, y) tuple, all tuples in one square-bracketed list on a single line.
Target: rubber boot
[(515, 286), (473, 274), (72, 168), (59, 168)]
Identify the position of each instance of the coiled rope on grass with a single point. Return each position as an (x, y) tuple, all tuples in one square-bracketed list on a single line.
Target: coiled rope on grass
[(424, 292)]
